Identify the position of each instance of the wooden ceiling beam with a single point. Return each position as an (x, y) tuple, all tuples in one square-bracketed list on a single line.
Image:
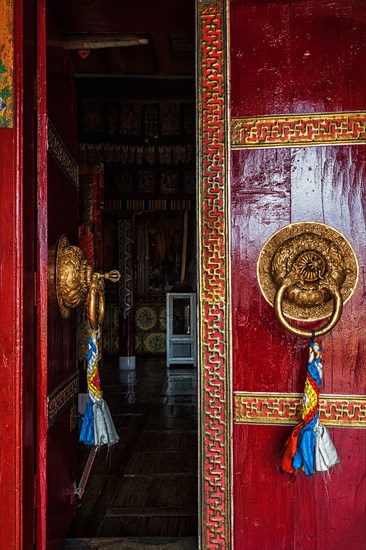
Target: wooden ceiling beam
[(162, 53), (115, 16)]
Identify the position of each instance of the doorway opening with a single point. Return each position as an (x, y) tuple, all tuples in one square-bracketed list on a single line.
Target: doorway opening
[(135, 90)]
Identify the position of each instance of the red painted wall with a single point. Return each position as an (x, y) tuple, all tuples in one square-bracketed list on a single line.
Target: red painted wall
[(295, 57)]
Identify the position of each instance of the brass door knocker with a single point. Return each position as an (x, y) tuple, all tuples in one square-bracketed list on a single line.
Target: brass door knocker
[(307, 271), (77, 283)]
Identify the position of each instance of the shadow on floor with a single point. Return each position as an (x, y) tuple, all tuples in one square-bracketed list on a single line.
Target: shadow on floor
[(145, 488)]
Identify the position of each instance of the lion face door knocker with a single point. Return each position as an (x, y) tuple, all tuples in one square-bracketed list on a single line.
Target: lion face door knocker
[(307, 271), (77, 283)]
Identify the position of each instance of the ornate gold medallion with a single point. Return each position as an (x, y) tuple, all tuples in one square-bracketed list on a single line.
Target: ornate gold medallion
[(307, 271)]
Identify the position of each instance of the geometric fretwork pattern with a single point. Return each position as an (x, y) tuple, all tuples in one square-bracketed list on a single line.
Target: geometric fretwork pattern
[(62, 398), (274, 408), (214, 277), (298, 130), (61, 154)]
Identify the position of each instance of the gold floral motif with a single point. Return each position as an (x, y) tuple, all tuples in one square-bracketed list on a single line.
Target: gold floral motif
[(314, 261), (146, 318), (155, 342)]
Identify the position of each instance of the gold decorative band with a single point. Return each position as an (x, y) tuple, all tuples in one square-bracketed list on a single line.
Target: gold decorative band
[(298, 130), (62, 398), (61, 154), (274, 408)]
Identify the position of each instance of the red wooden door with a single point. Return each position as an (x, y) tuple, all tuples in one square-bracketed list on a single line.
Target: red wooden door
[(57, 374), (294, 58)]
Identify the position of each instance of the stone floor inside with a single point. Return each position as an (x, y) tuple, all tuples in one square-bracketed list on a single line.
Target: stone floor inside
[(143, 493)]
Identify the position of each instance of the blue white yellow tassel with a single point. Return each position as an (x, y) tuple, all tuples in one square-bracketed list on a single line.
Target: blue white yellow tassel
[(97, 427), (310, 447)]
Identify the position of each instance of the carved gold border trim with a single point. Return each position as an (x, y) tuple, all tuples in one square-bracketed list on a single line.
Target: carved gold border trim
[(61, 154), (62, 398), (298, 130), (214, 292), (285, 408)]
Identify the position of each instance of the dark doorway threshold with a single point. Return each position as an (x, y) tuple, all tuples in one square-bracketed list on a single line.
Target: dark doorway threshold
[(127, 543), (144, 543)]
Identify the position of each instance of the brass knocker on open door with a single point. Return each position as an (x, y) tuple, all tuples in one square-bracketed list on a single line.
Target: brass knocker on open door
[(78, 283), (307, 271)]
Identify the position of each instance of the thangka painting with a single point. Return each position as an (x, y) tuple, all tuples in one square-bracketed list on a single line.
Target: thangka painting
[(170, 119), (6, 64)]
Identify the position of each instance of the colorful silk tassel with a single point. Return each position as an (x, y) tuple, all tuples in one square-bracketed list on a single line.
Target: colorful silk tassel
[(310, 447), (97, 427)]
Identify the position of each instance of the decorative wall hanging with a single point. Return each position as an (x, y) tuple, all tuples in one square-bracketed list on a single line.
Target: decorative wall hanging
[(102, 152), (170, 122), (131, 119), (307, 271), (6, 64)]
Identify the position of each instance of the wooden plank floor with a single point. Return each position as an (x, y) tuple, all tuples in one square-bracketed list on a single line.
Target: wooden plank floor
[(146, 486)]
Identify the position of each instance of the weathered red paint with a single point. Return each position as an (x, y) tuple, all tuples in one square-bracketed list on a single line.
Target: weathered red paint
[(295, 57), (13, 315)]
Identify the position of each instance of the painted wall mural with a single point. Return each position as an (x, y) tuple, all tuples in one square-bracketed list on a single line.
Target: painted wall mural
[(6, 63)]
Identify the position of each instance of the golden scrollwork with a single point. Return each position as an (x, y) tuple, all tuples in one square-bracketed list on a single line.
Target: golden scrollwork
[(307, 270), (77, 283)]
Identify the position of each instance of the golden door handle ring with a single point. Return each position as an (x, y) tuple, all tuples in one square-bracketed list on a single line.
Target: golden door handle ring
[(95, 301), (96, 297), (307, 271), (336, 314)]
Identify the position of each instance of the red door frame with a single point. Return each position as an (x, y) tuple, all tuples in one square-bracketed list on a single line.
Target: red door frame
[(16, 290), (42, 279)]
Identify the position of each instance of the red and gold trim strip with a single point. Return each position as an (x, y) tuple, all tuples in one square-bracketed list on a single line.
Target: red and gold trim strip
[(6, 64), (62, 398), (213, 221), (298, 130), (273, 408)]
